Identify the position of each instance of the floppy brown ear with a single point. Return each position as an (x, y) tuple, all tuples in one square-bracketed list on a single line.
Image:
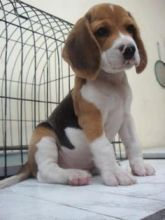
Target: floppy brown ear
[(142, 52), (82, 51), (141, 48)]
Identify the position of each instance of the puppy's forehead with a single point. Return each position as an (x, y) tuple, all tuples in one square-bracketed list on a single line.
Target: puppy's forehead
[(107, 11)]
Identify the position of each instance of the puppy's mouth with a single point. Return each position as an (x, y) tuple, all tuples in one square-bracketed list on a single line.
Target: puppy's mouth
[(129, 63), (125, 64)]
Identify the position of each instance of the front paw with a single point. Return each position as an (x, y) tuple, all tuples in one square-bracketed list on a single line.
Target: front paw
[(117, 176), (139, 168)]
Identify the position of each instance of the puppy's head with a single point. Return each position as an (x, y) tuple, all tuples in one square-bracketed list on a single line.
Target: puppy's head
[(107, 38)]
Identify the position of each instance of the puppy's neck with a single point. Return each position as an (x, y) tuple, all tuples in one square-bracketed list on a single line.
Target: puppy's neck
[(114, 78)]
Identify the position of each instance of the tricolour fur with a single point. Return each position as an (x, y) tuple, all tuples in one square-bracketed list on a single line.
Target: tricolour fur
[(77, 137)]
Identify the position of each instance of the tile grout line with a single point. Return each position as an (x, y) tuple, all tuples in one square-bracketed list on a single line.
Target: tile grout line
[(137, 197)]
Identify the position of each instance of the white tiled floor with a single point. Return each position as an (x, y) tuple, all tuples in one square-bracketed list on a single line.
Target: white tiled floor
[(31, 200)]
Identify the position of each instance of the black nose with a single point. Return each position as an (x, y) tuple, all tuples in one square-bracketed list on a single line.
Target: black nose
[(129, 52)]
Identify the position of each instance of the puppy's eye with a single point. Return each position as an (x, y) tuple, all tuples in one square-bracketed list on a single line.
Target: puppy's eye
[(131, 29), (102, 32)]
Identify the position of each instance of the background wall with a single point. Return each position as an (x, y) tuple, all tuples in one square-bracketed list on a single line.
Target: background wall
[(149, 98)]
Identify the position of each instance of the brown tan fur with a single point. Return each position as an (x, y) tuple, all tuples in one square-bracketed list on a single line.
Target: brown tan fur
[(89, 116)]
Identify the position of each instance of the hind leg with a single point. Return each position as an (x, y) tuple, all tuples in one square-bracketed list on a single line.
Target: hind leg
[(49, 171)]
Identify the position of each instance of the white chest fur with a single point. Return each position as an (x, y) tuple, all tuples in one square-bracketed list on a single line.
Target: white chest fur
[(111, 94)]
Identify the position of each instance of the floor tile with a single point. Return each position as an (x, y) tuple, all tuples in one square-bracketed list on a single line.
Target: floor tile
[(31, 200), (20, 207)]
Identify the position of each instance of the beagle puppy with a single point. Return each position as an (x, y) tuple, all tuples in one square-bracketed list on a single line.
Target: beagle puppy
[(77, 136)]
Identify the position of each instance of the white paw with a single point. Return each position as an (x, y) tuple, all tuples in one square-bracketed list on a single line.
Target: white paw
[(78, 177), (117, 177), (142, 169)]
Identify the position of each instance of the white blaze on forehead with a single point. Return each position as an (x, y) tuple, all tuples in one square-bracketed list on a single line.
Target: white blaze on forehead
[(111, 6)]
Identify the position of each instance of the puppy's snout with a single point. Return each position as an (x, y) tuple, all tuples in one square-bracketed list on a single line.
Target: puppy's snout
[(128, 51)]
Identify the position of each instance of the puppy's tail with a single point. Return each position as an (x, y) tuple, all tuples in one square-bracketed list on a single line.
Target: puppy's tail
[(22, 175)]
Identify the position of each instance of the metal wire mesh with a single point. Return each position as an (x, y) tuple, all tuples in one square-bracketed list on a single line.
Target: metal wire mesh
[(33, 77)]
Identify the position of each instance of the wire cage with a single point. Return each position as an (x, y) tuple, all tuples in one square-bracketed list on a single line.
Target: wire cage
[(33, 76)]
